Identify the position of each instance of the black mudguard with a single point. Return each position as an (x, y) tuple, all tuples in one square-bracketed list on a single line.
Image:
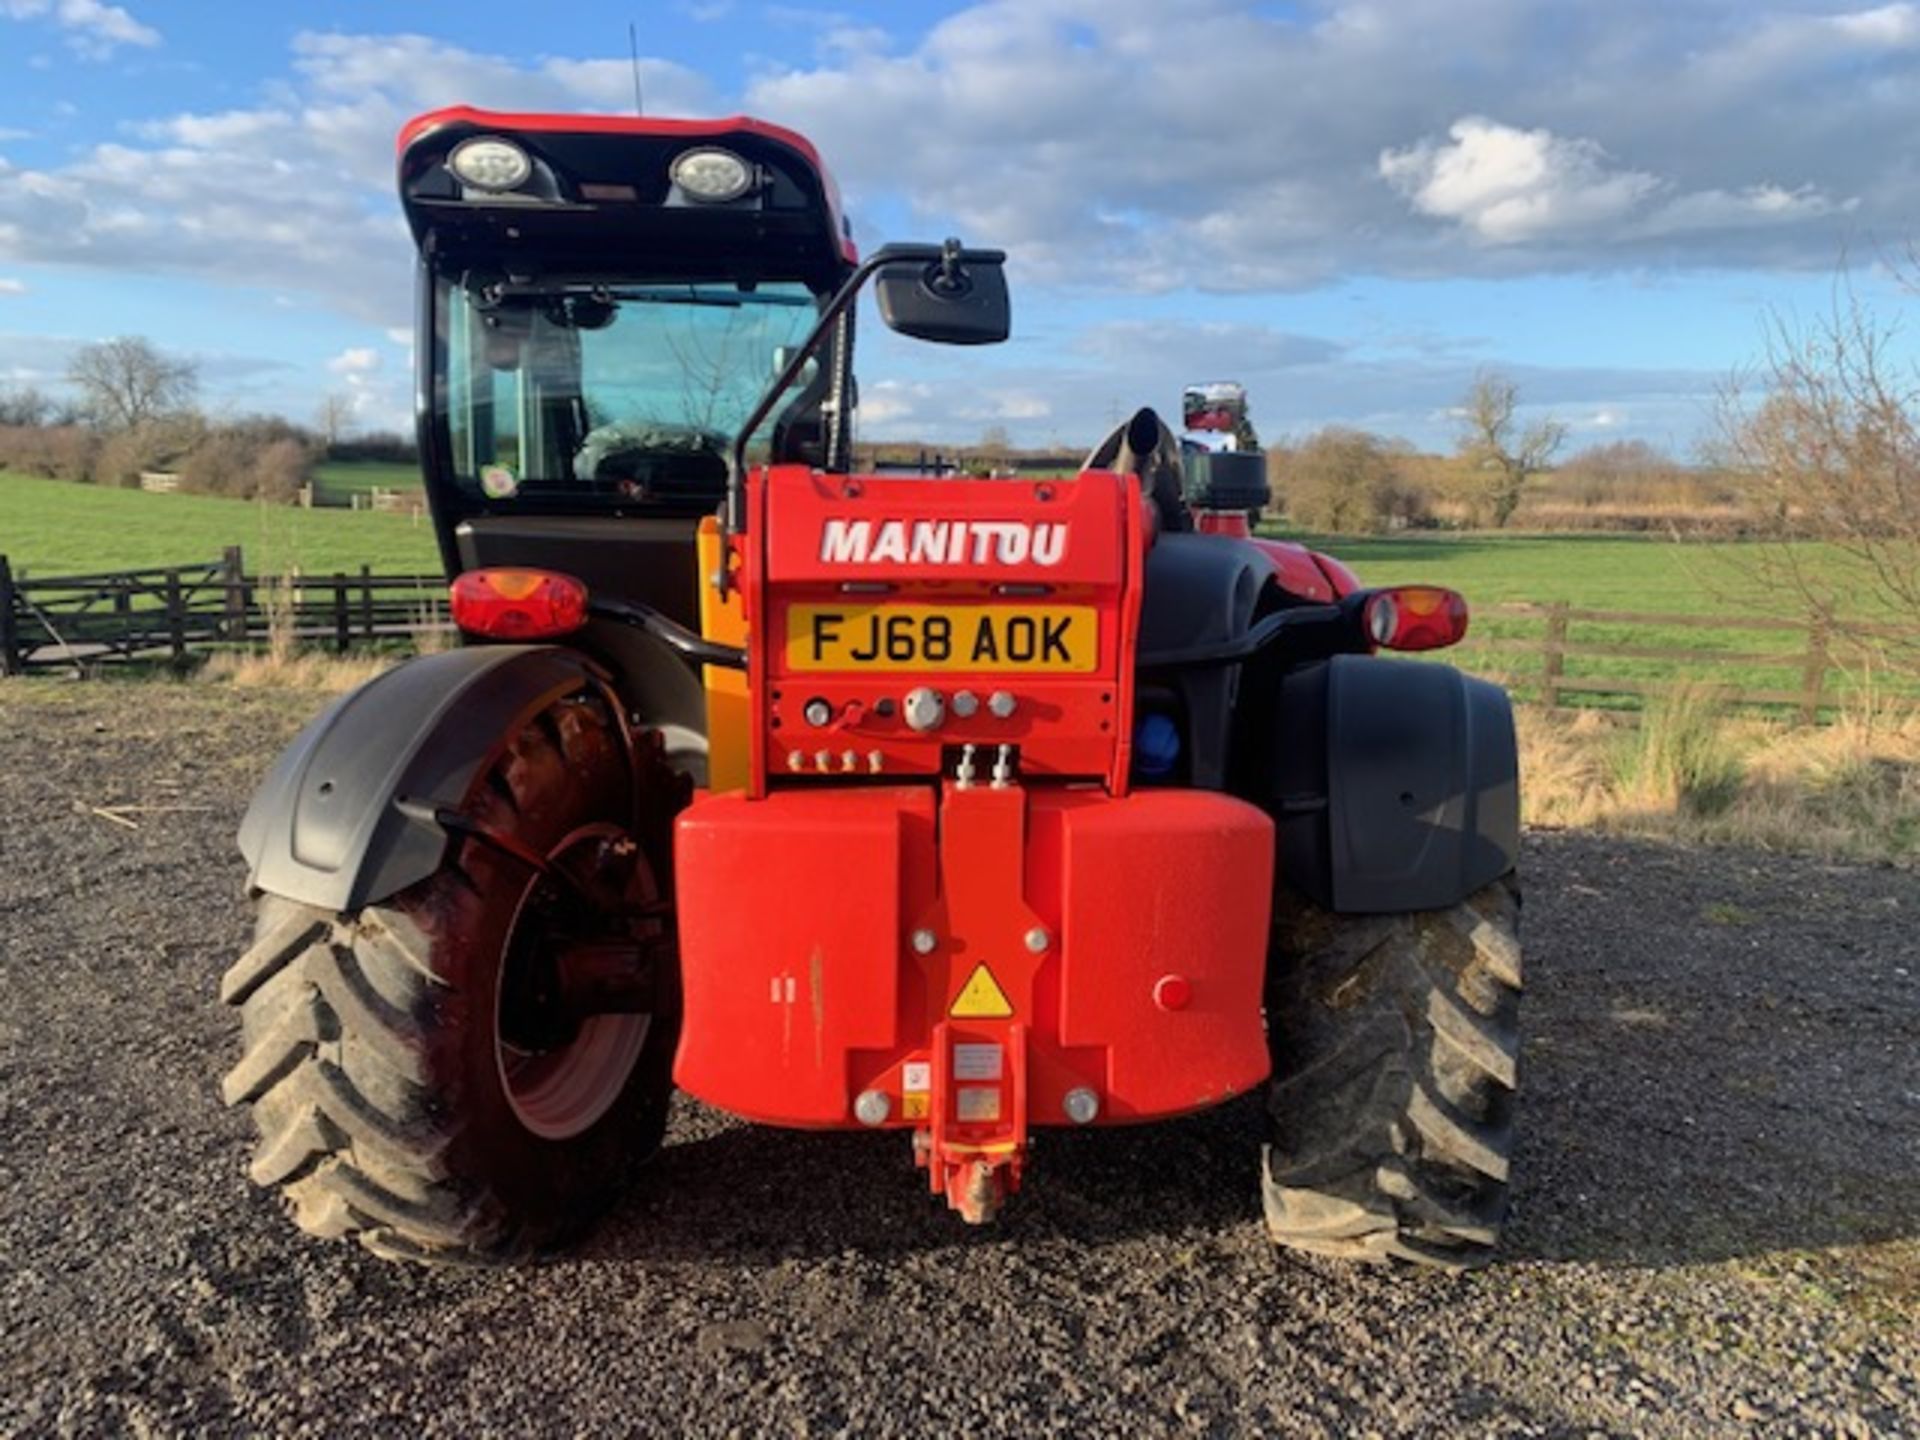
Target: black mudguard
[(1395, 784), (345, 817)]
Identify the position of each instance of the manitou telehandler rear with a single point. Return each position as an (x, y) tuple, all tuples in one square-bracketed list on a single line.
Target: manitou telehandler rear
[(959, 808)]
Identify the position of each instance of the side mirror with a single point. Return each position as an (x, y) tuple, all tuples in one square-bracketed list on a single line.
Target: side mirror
[(950, 296)]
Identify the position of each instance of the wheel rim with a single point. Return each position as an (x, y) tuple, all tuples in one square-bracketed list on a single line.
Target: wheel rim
[(562, 1087), (558, 1094)]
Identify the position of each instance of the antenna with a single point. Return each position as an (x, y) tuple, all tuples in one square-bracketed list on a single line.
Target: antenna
[(633, 49)]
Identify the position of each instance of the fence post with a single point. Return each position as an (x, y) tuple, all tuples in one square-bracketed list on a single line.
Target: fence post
[(342, 616), (1555, 662), (9, 623), (233, 579), (1813, 673), (366, 601), (176, 619)]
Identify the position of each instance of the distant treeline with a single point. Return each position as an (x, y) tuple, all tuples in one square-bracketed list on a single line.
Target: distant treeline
[(1343, 480), (258, 457)]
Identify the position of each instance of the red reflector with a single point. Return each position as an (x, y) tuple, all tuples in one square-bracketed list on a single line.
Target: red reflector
[(518, 604), (1416, 617)]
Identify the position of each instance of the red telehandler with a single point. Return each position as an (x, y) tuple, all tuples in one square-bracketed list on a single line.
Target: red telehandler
[(959, 808)]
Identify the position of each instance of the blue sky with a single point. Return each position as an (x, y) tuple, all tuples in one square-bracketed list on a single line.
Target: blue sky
[(1351, 207)]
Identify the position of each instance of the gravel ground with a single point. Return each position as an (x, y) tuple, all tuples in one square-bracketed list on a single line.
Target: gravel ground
[(1716, 1231)]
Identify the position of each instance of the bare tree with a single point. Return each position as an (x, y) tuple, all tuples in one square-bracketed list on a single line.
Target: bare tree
[(1831, 453), (1502, 454), (1348, 481), (334, 417), (993, 454), (126, 382), (25, 406)]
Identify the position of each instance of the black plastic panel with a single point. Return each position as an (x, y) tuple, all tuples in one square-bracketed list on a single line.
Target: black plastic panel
[(324, 827), (1200, 590)]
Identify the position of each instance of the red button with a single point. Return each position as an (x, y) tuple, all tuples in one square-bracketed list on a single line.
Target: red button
[(1172, 992)]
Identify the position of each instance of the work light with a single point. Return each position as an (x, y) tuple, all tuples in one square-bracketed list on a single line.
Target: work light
[(490, 163), (711, 175)]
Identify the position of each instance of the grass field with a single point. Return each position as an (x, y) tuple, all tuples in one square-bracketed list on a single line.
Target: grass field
[(1657, 575), (52, 527), (338, 483), (49, 527), (1601, 572)]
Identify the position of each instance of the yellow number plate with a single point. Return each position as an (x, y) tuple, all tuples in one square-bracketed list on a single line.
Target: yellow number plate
[(1062, 638)]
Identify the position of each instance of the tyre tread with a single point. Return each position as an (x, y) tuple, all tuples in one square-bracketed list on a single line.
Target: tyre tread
[(1372, 1157), (348, 1167)]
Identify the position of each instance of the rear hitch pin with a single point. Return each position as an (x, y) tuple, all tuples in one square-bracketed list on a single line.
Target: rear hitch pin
[(963, 773), (1003, 767)]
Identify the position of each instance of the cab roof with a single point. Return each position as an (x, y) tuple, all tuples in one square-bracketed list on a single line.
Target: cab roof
[(600, 189)]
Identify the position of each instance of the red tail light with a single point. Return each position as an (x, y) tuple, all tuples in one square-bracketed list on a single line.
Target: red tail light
[(518, 604), (1416, 617)]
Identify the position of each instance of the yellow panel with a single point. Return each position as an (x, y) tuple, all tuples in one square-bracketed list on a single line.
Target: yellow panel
[(729, 712), (970, 638)]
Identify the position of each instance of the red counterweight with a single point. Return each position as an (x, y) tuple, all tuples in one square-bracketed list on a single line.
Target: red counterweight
[(972, 963)]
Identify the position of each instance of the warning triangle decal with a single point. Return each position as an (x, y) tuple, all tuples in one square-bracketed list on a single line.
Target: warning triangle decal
[(981, 998)]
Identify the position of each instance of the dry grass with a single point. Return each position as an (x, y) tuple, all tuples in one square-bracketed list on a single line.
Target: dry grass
[(284, 664), (1690, 774), (296, 670)]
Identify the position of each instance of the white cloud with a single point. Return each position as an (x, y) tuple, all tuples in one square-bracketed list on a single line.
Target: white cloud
[(890, 407), (1774, 44), (11, 286), (1708, 210), (1003, 404), (356, 361), (1508, 187), (1087, 137), (94, 29), (1511, 185), (225, 129), (1890, 26), (376, 396)]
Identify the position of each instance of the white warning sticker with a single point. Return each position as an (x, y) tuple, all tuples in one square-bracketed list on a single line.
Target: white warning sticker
[(916, 1076), (977, 1062)]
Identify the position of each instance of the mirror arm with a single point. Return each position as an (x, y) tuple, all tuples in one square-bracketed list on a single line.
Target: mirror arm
[(839, 447), (951, 259), (950, 273), (734, 518)]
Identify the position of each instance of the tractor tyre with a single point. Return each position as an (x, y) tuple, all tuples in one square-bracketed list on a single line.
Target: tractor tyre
[(1396, 1051), (414, 1086)]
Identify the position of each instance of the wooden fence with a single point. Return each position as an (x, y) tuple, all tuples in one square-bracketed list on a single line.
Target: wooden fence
[(1557, 654), (1565, 655), (168, 612)]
